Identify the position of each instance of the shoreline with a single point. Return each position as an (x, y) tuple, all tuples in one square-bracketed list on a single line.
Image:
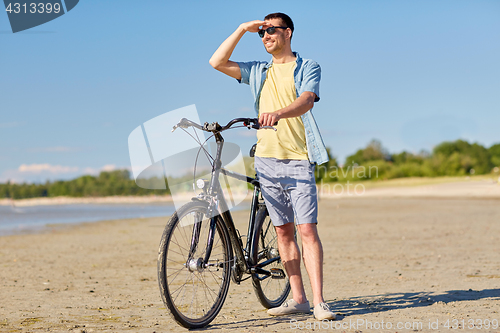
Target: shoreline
[(485, 187), (87, 200)]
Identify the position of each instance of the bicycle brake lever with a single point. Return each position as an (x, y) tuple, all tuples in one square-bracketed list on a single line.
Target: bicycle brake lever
[(270, 127)]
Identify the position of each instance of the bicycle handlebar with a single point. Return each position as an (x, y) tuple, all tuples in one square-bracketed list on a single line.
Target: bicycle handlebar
[(215, 127)]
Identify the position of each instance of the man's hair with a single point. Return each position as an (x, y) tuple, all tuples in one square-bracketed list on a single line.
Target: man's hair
[(285, 18)]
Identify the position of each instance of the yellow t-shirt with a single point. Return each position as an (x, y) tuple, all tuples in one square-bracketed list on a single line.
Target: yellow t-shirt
[(289, 141)]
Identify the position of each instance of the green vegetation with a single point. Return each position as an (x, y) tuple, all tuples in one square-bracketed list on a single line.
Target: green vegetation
[(116, 182), (374, 162), (495, 154), (457, 158)]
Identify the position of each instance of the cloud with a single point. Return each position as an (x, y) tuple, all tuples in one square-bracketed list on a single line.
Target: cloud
[(39, 168), (108, 167), (42, 172), (38, 173), (58, 149), (96, 171)]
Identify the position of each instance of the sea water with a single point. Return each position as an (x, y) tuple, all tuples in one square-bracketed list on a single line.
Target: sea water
[(32, 218)]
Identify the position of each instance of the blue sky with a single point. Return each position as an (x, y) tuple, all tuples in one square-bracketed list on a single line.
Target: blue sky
[(409, 73)]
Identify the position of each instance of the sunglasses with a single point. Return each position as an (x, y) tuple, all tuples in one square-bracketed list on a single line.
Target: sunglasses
[(270, 31)]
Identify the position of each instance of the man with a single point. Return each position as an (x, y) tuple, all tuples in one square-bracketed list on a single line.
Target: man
[(285, 90)]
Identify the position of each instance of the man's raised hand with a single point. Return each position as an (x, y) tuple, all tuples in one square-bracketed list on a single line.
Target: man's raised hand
[(252, 26), (220, 59)]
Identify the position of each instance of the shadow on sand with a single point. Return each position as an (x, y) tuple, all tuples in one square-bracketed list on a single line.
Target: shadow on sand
[(368, 304), (375, 303)]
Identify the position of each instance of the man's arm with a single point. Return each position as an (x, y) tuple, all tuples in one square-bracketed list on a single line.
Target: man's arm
[(297, 108), (220, 59)]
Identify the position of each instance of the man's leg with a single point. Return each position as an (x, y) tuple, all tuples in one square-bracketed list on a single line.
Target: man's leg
[(312, 252), (290, 256)]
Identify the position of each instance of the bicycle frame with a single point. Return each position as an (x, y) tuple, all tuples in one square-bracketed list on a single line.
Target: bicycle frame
[(242, 264)]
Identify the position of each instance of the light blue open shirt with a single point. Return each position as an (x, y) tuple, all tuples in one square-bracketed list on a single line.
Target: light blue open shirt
[(307, 76)]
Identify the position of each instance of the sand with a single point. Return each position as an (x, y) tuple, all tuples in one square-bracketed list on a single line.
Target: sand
[(414, 261), (144, 199)]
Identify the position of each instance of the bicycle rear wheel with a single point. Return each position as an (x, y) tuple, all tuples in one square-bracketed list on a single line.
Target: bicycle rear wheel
[(192, 290), (270, 292)]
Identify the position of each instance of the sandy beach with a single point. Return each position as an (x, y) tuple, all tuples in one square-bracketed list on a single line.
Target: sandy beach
[(90, 200), (395, 261)]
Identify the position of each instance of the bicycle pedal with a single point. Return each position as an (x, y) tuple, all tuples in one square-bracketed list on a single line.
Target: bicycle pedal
[(277, 273)]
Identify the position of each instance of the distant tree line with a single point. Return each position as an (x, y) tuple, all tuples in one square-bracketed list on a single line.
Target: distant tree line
[(110, 183), (457, 158)]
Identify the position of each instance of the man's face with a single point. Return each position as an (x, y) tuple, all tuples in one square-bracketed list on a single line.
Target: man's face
[(276, 42)]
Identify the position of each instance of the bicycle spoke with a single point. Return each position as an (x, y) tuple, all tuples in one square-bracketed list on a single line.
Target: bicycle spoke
[(178, 245), (172, 251), (177, 272), (271, 292), (264, 233), (178, 289), (184, 293), (187, 229), (201, 277), (206, 297), (215, 277), (210, 289), (194, 293)]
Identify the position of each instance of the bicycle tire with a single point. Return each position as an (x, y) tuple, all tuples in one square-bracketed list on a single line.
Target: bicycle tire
[(206, 289), (270, 292)]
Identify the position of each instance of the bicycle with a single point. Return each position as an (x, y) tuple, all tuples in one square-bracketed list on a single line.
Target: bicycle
[(201, 250)]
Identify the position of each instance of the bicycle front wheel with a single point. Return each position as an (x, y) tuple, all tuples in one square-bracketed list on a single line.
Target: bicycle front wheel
[(192, 289), (271, 292)]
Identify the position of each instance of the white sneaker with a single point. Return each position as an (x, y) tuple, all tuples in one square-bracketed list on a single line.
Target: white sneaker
[(290, 307), (322, 311)]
